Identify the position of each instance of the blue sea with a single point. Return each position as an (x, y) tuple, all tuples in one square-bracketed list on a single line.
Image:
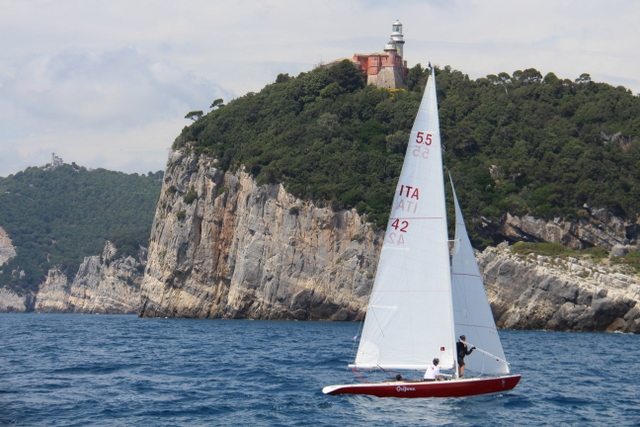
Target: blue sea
[(97, 370)]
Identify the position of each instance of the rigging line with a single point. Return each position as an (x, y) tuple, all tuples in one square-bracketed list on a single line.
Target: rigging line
[(364, 380), (489, 354), (465, 275), (376, 317), (386, 371)]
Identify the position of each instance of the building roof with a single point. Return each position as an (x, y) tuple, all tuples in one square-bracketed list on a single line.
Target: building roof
[(372, 54)]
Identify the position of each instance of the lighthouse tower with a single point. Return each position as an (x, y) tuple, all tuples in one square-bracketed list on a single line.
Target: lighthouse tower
[(398, 37)]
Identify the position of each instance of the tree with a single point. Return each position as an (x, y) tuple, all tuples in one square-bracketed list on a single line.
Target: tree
[(283, 78), (347, 75), (414, 76), (194, 115), (584, 78), (217, 103), (550, 78)]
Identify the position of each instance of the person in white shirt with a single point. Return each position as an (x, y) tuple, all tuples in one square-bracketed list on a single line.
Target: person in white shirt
[(433, 371)]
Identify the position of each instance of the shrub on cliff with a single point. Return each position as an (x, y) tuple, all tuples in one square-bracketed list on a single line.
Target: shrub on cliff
[(191, 195)]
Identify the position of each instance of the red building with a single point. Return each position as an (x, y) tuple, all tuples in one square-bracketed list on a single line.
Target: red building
[(386, 69)]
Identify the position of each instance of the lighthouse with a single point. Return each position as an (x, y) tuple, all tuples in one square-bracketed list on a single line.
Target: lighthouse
[(386, 69), (398, 37)]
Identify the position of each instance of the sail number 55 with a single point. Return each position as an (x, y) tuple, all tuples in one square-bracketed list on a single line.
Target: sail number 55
[(422, 150), (422, 138)]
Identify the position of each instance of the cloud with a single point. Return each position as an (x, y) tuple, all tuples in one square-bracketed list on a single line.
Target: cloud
[(88, 78), (78, 103), (118, 89)]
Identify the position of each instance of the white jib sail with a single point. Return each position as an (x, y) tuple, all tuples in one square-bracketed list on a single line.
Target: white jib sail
[(409, 319), (471, 310)]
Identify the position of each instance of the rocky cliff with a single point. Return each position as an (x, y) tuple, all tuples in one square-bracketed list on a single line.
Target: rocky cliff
[(540, 292), (102, 285), (9, 301), (598, 228), (7, 251), (221, 246)]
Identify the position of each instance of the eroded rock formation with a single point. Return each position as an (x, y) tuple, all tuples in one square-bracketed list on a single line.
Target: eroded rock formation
[(102, 285), (9, 300), (601, 228), (7, 251), (539, 292), (221, 246), (245, 251)]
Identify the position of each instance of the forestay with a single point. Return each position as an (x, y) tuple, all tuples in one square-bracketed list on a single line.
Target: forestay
[(471, 310), (409, 319)]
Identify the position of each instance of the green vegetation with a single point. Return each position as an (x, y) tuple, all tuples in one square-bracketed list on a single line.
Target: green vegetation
[(194, 115), (631, 259), (191, 195), (556, 250), (58, 217), (520, 143)]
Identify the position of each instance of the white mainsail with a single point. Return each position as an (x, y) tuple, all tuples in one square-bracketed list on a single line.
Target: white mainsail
[(471, 310), (409, 318)]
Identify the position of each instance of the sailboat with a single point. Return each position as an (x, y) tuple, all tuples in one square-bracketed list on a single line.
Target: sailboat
[(423, 298)]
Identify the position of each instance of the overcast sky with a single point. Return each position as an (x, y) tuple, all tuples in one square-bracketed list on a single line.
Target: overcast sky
[(107, 83)]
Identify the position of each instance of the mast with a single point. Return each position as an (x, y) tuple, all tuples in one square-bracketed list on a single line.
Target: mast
[(450, 299)]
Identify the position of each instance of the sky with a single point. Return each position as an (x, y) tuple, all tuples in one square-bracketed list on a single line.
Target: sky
[(106, 84)]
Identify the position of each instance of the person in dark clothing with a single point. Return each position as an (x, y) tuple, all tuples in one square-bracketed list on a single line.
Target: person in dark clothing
[(462, 350)]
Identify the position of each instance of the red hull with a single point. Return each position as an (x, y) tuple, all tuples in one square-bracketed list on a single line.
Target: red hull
[(451, 388)]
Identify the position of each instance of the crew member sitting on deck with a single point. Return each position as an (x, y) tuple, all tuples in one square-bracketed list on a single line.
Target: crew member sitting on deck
[(433, 371)]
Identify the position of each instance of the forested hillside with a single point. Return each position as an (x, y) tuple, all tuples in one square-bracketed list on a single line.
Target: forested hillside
[(521, 143), (58, 217)]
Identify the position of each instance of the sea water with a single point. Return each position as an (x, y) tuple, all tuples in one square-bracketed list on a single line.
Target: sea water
[(78, 370)]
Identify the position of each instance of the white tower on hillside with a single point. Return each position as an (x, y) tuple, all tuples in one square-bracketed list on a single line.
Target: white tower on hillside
[(397, 37)]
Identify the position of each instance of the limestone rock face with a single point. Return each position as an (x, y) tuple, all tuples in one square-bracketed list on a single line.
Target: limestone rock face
[(222, 246), (619, 251), (102, 285), (7, 250), (601, 229), (9, 301), (240, 250), (538, 292), (12, 302)]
